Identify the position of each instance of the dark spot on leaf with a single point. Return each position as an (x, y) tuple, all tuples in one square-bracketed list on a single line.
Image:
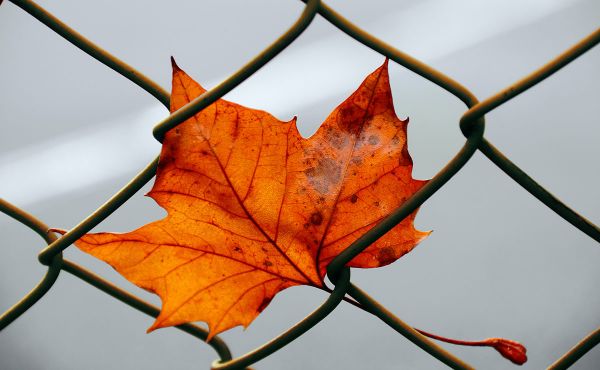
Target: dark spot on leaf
[(264, 249), (373, 140), (386, 255), (405, 159), (166, 159), (376, 203), (350, 118), (265, 302), (353, 198), (267, 263), (306, 225), (237, 249), (316, 218), (327, 172), (336, 138)]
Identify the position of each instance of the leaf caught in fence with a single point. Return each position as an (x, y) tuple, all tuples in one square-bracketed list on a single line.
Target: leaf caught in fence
[(254, 208)]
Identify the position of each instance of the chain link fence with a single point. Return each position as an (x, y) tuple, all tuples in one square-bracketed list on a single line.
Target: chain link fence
[(471, 125)]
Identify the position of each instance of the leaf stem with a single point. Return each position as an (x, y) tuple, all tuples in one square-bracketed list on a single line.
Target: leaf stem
[(509, 349)]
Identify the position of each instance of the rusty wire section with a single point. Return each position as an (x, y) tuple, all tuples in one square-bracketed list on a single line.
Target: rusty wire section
[(471, 125)]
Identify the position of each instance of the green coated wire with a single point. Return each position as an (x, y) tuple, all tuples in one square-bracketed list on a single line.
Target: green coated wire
[(510, 168), (295, 331), (27, 219), (49, 278), (577, 352), (534, 78), (216, 342), (411, 63), (539, 192), (31, 298), (94, 50)]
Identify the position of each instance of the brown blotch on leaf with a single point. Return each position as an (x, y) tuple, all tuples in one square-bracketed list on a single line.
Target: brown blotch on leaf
[(336, 138), (373, 140), (166, 159), (316, 218), (353, 198), (405, 159), (386, 255), (267, 263), (326, 172), (351, 118)]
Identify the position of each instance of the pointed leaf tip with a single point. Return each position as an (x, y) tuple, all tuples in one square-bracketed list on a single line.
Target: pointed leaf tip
[(174, 65), (153, 327)]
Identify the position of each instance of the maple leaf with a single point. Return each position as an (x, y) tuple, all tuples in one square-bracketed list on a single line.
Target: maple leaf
[(254, 208)]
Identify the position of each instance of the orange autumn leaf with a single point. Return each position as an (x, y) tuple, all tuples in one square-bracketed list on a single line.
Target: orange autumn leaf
[(254, 208)]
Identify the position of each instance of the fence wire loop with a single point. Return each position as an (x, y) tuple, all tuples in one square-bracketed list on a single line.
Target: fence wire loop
[(472, 125)]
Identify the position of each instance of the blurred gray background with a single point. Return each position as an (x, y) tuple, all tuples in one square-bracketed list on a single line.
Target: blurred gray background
[(498, 264)]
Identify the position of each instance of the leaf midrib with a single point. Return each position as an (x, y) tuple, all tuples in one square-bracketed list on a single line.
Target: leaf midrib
[(309, 281)]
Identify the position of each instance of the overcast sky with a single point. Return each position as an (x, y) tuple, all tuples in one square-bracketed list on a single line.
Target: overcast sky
[(499, 263)]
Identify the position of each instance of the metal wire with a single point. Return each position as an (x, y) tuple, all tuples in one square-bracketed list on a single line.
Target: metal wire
[(49, 278), (471, 124)]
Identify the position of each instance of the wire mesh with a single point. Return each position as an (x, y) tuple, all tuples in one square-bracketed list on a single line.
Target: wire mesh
[(471, 124)]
